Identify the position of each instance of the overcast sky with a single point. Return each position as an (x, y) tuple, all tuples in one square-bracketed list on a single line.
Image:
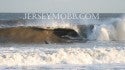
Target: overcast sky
[(97, 6)]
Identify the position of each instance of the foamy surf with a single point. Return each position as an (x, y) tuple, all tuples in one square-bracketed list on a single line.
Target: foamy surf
[(81, 54)]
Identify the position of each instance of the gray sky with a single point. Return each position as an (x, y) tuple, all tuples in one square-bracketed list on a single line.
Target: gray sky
[(90, 6)]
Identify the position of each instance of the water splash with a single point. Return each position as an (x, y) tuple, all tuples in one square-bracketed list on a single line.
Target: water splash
[(110, 30)]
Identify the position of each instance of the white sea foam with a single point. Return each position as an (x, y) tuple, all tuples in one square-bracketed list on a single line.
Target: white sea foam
[(61, 54)]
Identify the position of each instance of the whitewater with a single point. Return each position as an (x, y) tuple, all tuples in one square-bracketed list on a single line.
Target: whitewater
[(88, 56)]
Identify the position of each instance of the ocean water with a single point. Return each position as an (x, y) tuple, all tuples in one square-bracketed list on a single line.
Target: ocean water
[(104, 48)]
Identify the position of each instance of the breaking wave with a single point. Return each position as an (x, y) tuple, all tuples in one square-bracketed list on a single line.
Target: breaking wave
[(104, 42), (111, 29)]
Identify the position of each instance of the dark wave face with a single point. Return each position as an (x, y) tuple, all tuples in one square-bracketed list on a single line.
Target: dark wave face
[(37, 35)]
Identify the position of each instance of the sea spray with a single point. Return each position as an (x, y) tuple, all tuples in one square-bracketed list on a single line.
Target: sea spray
[(109, 30), (120, 28)]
